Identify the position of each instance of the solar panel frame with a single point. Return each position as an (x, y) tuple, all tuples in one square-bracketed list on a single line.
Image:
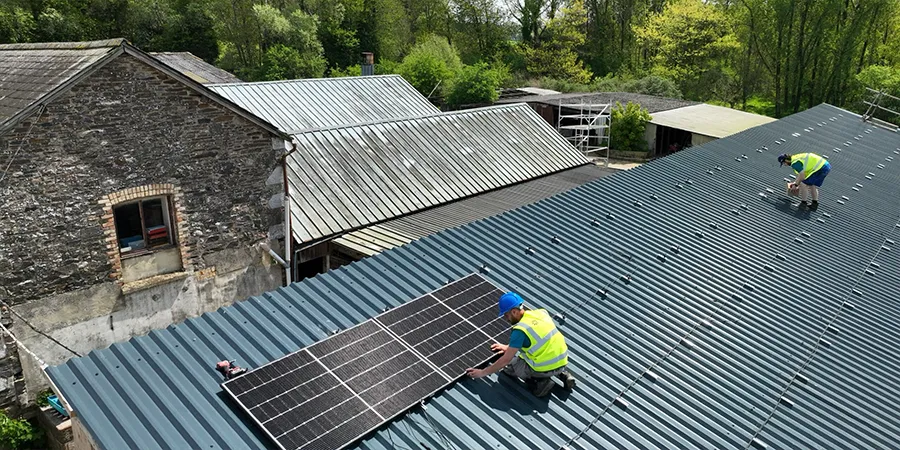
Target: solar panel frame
[(451, 290)]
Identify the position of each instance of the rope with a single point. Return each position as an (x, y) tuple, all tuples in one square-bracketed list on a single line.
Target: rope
[(19, 147), (36, 330)]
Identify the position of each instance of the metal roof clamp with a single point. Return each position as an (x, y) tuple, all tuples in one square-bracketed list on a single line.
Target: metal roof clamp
[(626, 279), (484, 268), (638, 203), (675, 249), (529, 251), (661, 257), (719, 168), (654, 196), (699, 233), (609, 215), (736, 212), (555, 240), (714, 225), (745, 207), (651, 375)]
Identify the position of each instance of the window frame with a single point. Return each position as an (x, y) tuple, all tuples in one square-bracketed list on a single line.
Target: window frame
[(168, 211)]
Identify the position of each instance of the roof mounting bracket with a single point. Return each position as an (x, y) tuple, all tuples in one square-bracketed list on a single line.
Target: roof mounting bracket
[(621, 402), (801, 378), (787, 402), (651, 375)]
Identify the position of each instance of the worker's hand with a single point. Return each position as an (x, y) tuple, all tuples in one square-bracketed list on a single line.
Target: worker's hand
[(475, 373), (499, 348)]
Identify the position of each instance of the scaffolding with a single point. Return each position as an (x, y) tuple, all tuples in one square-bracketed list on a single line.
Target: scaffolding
[(879, 100), (586, 127)]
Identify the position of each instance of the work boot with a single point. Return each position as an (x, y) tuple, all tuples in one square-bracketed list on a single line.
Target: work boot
[(543, 387), (814, 206), (568, 380), (802, 205)]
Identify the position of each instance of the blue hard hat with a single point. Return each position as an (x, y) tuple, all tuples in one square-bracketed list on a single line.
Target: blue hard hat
[(782, 158), (509, 301)]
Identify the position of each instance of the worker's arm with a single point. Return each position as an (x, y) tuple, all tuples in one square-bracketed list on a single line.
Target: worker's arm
[(508, 354)]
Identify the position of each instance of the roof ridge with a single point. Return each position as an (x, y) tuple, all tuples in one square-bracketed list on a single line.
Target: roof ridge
[(83, 45), (306, 80), (464, 112)]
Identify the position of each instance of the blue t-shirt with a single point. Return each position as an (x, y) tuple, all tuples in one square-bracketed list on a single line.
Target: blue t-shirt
[(518, 339), (797, 166)]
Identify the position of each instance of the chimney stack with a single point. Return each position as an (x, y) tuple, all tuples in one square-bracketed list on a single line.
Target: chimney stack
[(368, 65)]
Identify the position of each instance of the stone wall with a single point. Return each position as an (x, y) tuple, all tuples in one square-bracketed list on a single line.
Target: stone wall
[(126, 125), (125, 130)]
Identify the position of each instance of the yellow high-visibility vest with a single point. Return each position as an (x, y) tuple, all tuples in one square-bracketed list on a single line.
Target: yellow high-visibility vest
[(811, 163), (547, 350)]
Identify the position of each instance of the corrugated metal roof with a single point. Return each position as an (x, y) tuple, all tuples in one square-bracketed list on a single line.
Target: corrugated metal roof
[(195, 67), (394, 233), (343, 179), (28, 72), (300, 105), (748, 333), (652, 103), (709, 120)]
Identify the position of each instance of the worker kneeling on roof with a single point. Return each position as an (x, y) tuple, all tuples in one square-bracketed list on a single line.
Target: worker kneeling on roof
[(811, 170), (536, 352)]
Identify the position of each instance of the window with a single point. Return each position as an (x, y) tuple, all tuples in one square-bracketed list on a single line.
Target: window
[(144, 225)]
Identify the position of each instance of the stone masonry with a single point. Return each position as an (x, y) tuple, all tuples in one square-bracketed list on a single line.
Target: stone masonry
[(126, 126)]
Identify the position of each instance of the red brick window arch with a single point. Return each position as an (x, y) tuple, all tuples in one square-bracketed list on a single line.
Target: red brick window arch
[(141, 221)]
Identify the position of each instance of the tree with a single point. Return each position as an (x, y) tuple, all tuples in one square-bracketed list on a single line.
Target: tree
[(627, 125), (432, 62), (554, 55), (475, 84), (653, 85), (16, 25), (479, 28), (690, 42)]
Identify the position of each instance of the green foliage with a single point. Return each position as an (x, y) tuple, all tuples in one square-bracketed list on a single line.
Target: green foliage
[(42, 397), (349, 71), (287, 63), (690, 42), (430, 64), (627, 127), (555, 54), (653, 85), (475, 84), (479, 32), (17, 433), (16, 25)]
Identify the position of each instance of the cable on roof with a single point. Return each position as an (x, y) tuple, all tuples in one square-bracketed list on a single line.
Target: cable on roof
[(22, 142), (36, 330)]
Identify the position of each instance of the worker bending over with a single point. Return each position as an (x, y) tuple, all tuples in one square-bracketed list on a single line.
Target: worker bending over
[(541, 348), (811, 170)]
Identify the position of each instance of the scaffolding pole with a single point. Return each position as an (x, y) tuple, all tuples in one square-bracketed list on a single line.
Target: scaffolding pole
[(586, 127)]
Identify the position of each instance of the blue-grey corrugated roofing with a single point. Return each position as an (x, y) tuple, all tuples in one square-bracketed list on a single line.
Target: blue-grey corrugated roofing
[(342, 179), (730, 328), (300, 105)]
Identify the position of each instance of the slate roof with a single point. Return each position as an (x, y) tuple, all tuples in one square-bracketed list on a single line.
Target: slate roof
[(35, 74), (346, 178), (716, 329), (651, 102), (195, 67), (394, 233), (28, 72), (308, 104)]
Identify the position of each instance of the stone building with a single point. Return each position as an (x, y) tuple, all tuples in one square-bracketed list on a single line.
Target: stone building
[(131, 198)]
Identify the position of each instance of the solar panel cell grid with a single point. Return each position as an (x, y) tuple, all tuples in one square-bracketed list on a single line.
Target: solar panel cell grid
[(334, 391)]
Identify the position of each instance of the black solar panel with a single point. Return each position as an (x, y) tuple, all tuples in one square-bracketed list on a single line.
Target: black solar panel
[(333, 392)]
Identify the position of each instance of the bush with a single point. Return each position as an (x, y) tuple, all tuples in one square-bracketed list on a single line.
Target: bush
[(349, 71), (430, 64), (653, 85), (42, 398), (287, 63), (627, 127), (17, 433), (474, 84)]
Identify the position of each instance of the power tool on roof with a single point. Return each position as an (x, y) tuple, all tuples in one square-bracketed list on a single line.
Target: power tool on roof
[(229, 370)]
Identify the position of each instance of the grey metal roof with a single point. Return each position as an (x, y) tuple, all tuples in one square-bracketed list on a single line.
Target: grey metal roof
[(651, 102), (28, 72), (343, 179), (195, 67), (729, 329), (394, 233), (301, 105)]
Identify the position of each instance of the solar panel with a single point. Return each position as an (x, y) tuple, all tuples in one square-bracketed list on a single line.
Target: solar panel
[(333, 392)]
